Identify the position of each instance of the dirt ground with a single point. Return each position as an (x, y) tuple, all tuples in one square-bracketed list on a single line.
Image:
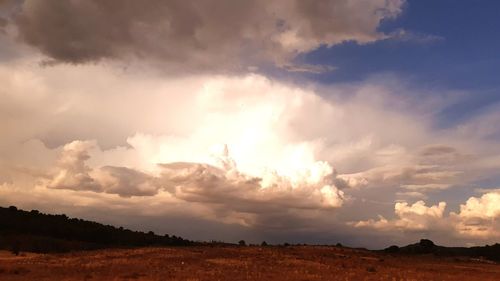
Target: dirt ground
[(240, 263)]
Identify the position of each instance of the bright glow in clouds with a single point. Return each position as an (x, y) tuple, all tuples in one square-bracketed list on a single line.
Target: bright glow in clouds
[(243, 133), (250, 117), (244, 150), (235, 142)]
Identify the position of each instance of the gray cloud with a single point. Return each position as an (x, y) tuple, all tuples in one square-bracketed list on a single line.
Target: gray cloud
[(126, 182), (73, 173), (408, 176), (204, 183), (198, 35)]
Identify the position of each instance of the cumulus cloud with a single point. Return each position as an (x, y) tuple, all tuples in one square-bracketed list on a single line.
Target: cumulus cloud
[(73, 173), (296, 157), (416, 217), (479, 216), (259, 169), (194, 35), (199, 182)]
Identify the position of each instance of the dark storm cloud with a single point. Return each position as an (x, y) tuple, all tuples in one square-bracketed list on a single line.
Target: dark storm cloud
[(202, 35)]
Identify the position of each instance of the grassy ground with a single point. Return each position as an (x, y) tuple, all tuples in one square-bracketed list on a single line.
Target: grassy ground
[(240, 263)]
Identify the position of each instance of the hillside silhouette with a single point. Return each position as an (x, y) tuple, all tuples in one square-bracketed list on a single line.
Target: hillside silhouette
[(426, 246), (43, 233)]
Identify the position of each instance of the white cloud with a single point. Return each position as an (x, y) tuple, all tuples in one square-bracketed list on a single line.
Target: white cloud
[(479, 216), (416, 217)]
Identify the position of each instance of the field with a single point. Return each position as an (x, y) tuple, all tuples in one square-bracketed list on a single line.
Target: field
[(240, 263)]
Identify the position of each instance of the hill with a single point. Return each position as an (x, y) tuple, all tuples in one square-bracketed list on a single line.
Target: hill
[(426, 246), (37, 232)]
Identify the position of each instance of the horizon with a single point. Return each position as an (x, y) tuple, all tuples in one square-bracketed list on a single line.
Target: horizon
[(319, 122), (238, 243)]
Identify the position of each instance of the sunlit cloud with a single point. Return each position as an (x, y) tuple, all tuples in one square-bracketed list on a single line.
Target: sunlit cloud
[(163, 109)]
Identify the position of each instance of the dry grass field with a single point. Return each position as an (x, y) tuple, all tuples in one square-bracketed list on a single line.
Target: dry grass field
[(240, 263)]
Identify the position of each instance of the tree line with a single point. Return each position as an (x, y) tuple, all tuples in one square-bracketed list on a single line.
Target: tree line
[(37, 232)]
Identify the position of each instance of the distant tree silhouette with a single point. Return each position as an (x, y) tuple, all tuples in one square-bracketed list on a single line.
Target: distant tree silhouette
[(263, 244), (242, 243), (426, 243), (35, 231), (392, 249), (15, 249)]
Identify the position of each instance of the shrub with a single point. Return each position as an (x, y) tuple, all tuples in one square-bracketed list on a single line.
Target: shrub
[(426, 243), (15, 249), (392, 249), (371, 269)]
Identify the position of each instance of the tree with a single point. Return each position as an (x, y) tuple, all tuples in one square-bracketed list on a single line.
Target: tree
[(15, 249), (242, 243)]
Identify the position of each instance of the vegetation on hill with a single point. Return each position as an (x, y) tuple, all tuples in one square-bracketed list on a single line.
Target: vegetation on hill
[(426, 246), (37, 232)]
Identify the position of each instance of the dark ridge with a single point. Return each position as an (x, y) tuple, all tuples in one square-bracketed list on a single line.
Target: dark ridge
[(43, 233), (426, 246)]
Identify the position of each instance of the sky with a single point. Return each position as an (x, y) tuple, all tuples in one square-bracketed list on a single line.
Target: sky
[(369, 123)]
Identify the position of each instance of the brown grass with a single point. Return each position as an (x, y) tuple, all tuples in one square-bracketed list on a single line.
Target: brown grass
[(240, 263)]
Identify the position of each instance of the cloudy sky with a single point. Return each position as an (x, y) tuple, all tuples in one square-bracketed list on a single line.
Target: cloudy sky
[(369, 123)]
